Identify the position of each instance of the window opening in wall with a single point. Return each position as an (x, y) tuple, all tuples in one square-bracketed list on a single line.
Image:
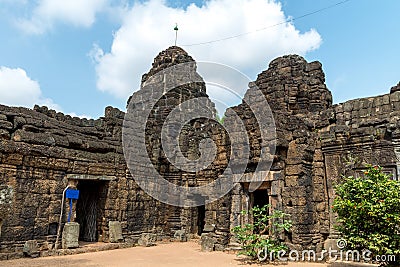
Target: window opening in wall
[(53, 228)]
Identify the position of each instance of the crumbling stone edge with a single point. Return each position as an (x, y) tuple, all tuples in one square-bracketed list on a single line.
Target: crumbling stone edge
[(63, 252)]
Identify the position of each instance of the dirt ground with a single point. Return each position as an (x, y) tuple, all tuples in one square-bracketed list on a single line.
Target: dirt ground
[(169, 254)]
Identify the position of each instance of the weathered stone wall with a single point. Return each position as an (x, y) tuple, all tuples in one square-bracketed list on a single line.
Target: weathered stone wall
[(41, 152), (365, 131)]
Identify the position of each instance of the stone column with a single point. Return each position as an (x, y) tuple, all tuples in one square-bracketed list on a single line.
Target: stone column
[(396, 147), (236, 205), (332, 163), (6, 194), (236, 208)]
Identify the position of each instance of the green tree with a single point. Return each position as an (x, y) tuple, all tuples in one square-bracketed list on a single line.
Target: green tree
[(220, 119), (368, 210), (262, 234)]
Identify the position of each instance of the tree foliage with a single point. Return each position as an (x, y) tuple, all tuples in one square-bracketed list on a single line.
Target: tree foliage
[(368, 210), (262, 234)]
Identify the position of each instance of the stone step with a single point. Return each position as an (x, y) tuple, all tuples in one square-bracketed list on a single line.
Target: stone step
[(233, 248)]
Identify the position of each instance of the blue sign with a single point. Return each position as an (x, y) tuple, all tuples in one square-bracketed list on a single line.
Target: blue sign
[(72, 193)]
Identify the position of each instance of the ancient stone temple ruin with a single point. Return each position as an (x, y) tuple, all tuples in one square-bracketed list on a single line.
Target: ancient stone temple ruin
[(42, 152)]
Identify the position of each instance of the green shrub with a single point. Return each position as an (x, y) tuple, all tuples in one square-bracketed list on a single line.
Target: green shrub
[(262, 234), (368, 210)]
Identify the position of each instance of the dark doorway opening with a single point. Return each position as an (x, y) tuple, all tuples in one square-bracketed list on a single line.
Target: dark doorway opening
[(260, 198), (89, 209), (201, 219)]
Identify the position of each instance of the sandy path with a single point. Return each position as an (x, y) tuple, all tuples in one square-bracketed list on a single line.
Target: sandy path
[(170, 254)]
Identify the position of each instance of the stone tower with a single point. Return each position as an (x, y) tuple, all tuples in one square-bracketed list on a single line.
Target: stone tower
[(172, 83)]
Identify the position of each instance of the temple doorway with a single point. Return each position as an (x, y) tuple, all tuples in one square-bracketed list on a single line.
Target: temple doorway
[(259, 198), (90, 209), (201, 219)]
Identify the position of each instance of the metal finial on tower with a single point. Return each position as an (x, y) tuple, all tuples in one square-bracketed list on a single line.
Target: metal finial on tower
[(176, 32)]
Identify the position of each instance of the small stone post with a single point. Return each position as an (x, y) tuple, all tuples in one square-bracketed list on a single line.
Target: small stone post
[(70, 235), (115, 232)]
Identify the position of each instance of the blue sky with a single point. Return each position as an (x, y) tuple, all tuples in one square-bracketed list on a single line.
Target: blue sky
[(79, 58)]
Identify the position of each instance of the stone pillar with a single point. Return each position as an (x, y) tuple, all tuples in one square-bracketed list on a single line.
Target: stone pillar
[(115, 232), (333, 172), (246, 205), (70, 235), (6, 195), (396, 145), (236, 205)]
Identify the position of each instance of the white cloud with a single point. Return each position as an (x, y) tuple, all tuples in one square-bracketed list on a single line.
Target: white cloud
[(73, 114), (46, 13), (148, 28), (18, 89)]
